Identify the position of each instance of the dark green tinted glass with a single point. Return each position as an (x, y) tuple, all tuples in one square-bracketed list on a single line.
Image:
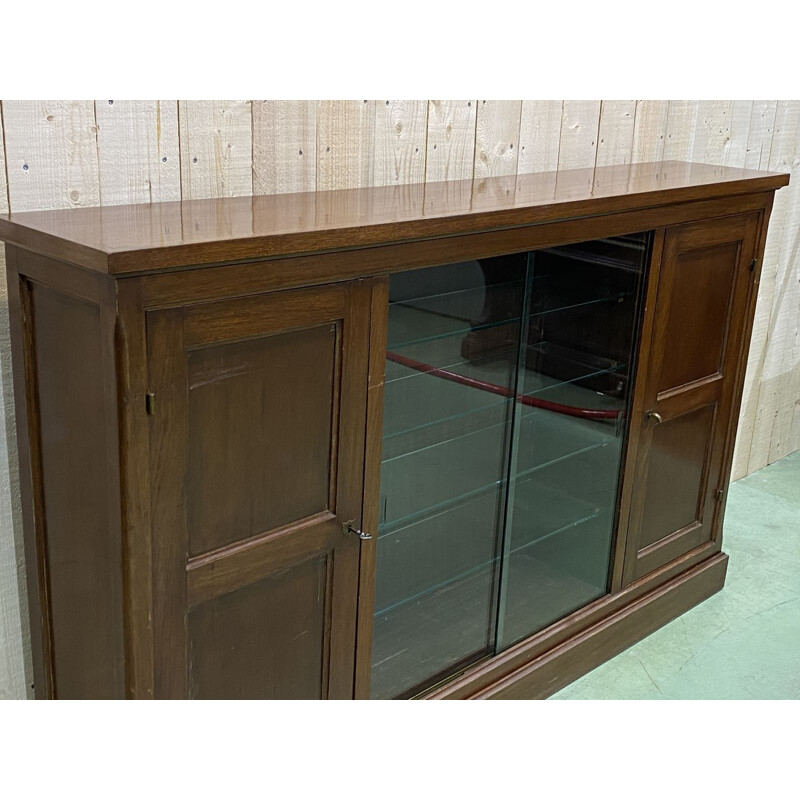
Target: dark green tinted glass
[(573, 383), (507, 384), (453, 332)]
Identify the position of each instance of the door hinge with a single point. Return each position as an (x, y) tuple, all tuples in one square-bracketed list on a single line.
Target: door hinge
[(720, 494), (150, 403)]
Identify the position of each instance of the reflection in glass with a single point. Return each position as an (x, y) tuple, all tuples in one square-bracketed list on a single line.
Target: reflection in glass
[(444, 467), (507, 382), (573, 383)]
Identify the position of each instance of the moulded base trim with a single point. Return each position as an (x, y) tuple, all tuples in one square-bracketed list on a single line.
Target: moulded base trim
[(554, 669)]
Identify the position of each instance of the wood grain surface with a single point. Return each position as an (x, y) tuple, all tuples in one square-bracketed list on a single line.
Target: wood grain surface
[(150, 237)]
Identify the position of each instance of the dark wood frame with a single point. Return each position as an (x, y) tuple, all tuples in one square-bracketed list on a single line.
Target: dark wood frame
[(150, 287)]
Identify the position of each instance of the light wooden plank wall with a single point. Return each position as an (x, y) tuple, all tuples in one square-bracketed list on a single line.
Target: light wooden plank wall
[(62, 154), (138, 152), (59, 154), (14, 635)]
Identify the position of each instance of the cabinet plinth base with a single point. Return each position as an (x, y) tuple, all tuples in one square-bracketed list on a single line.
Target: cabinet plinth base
[(551, 671)]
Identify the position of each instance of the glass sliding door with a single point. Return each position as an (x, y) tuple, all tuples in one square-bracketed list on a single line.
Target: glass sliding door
[(573, 384), (507, 385), (452, 353)]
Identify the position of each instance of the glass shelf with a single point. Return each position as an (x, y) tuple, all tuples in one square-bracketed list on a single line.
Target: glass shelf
[(459, 303), (436, 393), (542, 510), (619, 252), (505, 409), (451, 620), (573, 396), (490, 563), (462, 415), (554, 577), (558, 459), (496, 370), (436, 401), (534, 381), (493, 370), (451, 544), (428, 509), (446, 328), (416, 643), (553, 441), (440, 316), (613, 297), (404, 317), (548, 440)]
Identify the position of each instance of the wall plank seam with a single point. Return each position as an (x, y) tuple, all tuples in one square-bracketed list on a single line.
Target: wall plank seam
[(5, 200)]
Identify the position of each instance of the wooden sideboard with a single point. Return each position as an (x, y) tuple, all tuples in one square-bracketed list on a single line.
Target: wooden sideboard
[(457, 440)]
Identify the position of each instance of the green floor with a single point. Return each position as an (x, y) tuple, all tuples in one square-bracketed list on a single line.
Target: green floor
[(744, 642)]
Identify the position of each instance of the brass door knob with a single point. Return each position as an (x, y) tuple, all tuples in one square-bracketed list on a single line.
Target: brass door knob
[(655, 416)]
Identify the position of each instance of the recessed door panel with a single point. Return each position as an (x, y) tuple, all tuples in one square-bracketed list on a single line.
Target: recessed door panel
[(233, 638), (252, 405), (699, 305), (674, 487)]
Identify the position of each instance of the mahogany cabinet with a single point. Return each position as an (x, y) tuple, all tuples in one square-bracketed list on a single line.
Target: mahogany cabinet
[(461, 440)]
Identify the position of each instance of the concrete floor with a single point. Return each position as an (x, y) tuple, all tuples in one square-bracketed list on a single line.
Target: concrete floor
[(744, 642)]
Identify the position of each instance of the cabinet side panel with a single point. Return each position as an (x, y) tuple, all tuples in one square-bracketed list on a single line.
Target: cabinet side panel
[(78, 543)]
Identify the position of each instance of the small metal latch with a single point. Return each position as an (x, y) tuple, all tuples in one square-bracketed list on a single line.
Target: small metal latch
[(150, 402), (753, 265), (720, 493), (347, 527)]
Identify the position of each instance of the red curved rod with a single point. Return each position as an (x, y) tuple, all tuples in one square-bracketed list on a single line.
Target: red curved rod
[(503, 391)]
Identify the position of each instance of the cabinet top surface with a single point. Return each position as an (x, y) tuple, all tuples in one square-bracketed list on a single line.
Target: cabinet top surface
[(150, 237)]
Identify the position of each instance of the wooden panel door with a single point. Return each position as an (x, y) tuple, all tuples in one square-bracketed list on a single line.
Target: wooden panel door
[(699, 325), (257, 450)]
